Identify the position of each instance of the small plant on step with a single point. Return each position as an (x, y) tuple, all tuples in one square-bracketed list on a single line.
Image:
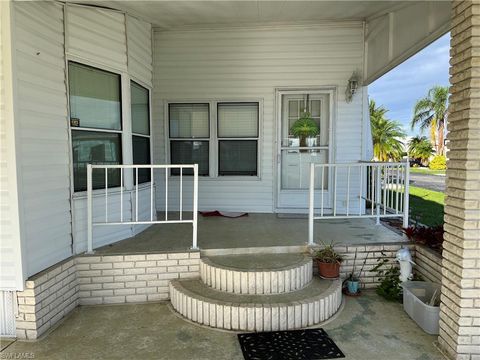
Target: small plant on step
[(328, 261), (353, 280), (388, 275), (390, 287)]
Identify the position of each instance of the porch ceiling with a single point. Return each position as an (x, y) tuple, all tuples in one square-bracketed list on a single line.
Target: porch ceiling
[(178, 14)]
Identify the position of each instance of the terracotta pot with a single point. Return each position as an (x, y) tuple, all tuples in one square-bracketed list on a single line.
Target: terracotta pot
[(328, 270)]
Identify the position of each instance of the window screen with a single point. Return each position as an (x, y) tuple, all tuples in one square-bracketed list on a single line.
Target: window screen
[(94, 98), (237, 138), (140, 109), (237, 120), (141, 155), (189, 120), (190, 152), (237, 157), (92, 147), (140, 103)]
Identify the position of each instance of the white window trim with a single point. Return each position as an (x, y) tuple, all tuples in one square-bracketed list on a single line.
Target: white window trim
[(214, 139)]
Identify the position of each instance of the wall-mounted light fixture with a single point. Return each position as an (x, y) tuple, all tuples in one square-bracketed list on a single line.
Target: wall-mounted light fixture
[(352, 86)]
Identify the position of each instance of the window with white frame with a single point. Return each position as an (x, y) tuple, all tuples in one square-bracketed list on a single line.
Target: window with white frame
[(235, 141), (237, 132), (96, 123), (189, 127), (140, 106)]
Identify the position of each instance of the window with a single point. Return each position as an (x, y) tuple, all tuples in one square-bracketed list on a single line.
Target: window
[(140, 105), (234, 144), (189, 130), (237, 138), (96, 122)]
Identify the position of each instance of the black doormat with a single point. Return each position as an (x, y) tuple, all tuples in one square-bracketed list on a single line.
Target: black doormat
[(309, 344)]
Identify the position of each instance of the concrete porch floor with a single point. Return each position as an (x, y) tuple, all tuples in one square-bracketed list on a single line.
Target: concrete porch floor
[(254, 230), (367, 328)]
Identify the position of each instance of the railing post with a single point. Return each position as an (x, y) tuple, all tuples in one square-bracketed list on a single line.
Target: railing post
[(311, 198), (378, 194), (406, 194), (89, 210), (195, 206)]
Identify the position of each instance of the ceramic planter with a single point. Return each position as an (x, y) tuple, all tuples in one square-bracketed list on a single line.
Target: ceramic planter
[(328, 270)]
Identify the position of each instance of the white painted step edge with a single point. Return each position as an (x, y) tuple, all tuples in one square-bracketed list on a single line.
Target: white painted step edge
[(257, 317), (256, 281)]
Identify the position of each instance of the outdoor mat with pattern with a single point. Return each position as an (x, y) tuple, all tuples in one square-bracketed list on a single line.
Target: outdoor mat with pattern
[(308, 344)]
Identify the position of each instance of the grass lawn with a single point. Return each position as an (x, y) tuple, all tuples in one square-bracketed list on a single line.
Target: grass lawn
[(426, 206), (427, 171)]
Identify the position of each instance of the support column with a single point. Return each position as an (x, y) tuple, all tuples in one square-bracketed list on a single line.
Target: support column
[(460, 308)]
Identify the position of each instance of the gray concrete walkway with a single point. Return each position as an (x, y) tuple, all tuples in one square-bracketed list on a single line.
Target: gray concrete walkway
[(368, 328), (255, 230)]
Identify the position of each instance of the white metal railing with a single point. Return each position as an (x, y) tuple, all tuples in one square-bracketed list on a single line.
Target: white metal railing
[(134, 218), (358, 190)]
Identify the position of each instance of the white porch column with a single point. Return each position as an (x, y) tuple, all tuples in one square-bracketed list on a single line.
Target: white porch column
[(460, 309)]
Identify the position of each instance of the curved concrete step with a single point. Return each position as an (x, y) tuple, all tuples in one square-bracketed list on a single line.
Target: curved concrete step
[(314, 304), (257, 273)]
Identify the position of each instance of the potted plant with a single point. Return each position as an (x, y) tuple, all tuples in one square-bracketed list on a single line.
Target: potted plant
[(304, 128), (353, 280), (328, 262)]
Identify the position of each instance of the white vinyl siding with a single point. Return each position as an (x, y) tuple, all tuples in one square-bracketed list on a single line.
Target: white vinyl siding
[(108, 51), (248, 64), (139, 43), (11, 272), (97, 35), (43, 145)]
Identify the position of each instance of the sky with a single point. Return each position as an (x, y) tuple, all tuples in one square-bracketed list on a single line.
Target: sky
[(399, 89)]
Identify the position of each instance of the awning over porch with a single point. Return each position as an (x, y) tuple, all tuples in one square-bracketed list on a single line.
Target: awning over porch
[(387, 42)]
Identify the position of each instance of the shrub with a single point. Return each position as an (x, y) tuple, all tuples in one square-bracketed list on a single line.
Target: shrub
[(431, 236), (439, 162)]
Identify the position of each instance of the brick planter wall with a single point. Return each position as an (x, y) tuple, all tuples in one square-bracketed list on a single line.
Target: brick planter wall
[(132, 278), (94, 279), (369, 279), (429, 264), (48, 297), (113, 279)]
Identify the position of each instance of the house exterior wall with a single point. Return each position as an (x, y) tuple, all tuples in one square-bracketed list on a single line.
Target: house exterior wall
[(45, 36), (251, 63), (116, 42), (11, 271), (42, 136)]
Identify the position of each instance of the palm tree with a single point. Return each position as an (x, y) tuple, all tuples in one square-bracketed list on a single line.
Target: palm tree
[(431, 112), (386, 134), (420, 148)]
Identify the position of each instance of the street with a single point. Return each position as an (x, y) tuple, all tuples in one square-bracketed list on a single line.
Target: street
[(427, 181)]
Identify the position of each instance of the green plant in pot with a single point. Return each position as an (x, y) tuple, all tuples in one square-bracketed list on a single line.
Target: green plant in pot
[(328, 262), (353, 278), (304, 128)]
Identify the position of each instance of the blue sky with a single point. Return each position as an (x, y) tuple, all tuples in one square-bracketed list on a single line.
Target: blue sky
[(399, 89)]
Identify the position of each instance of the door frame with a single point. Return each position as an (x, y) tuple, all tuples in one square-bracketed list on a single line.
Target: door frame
[(331, 91)]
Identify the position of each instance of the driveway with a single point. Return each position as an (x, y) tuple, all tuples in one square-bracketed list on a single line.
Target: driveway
[(427, 181)]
